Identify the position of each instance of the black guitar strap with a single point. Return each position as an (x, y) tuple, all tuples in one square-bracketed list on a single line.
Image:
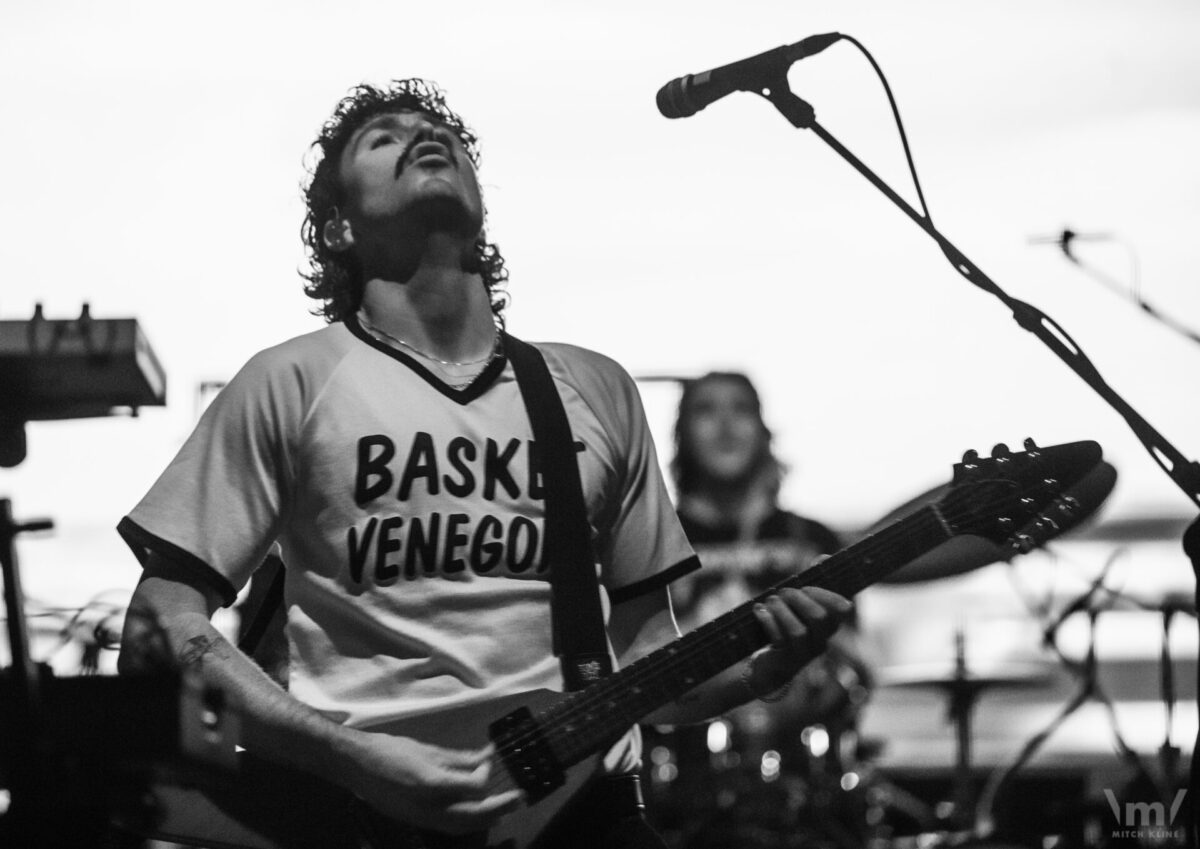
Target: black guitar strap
[(265, 598), (578, 622)]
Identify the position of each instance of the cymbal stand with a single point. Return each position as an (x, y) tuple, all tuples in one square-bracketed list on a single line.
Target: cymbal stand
[(963, 696), (1168, 754), (1191, 547), (1086, 671)]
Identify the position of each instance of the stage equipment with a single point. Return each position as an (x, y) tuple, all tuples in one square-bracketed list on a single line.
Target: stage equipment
[(1183, 472), (963, 687), (687, 95), (793, 770), (800, 114), (1068, 237), (76, 754), (70, 369), (780, 773)]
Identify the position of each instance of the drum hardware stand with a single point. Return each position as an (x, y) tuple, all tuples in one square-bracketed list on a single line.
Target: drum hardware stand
[(27, 779), (42, 813), (963, 691), (1191, 546), (1183, 472), (963, 695), (1168, 753), (64, 744), (25, 674), (78, 755), (1165, 785), (985, 823)]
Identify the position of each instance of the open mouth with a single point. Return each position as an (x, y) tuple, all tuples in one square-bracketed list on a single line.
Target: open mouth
[(432, 152)]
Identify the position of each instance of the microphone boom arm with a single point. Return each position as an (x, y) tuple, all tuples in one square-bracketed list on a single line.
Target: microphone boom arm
[(1185, 473)]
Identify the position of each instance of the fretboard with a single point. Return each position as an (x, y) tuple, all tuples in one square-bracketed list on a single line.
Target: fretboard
[(587, 721)]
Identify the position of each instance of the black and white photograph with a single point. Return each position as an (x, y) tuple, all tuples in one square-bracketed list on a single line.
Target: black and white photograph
[(666, 425)]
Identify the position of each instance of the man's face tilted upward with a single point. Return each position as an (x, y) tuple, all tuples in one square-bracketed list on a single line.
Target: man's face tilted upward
[(405, 171)]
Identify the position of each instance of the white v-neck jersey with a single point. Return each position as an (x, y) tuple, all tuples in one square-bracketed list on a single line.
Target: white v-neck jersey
[(409, 515)]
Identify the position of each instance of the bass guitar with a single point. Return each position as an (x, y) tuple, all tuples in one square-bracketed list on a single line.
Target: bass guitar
[(549, 744)]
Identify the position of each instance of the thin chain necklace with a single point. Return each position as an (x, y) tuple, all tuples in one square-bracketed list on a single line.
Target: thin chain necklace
[(458, 381)]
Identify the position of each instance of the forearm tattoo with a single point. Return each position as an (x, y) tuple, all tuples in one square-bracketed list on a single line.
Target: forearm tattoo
[(197, 648)]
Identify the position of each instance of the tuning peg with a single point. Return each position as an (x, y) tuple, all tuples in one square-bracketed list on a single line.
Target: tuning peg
[(1045, 522), (1029, 444), (970, 457), (1001, 452), (1024, 543)]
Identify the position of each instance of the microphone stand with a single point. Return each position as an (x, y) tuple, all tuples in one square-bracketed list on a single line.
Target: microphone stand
[(1186, 474), (1065, 241)]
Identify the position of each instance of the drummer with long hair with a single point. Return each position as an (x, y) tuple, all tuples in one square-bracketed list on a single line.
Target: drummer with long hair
[(774, 766), (727, 480)]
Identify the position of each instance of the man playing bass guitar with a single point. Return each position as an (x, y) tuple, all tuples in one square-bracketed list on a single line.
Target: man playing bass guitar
[(391, 458)]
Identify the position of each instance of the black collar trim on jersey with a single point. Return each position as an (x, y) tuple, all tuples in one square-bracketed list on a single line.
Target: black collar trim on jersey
[(463, 396)]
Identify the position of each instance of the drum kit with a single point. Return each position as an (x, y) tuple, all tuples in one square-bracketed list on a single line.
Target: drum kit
[(796, 772), (769, 774)]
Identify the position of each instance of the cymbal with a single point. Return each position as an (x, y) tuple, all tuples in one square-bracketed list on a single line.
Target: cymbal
[(962, 554), (1139, 529), (947, 677)]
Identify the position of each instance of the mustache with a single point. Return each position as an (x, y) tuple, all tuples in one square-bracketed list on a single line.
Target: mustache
[(402, 162)]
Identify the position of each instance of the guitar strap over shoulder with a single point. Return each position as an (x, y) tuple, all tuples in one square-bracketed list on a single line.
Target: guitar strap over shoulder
[(578, 621), (263, 602), (576, 615)]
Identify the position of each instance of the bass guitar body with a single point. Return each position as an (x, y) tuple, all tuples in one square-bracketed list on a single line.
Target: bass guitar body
[(265, 806)]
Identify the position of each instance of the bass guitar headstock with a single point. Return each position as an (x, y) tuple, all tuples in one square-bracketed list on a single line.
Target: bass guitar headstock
[(1021, 499)]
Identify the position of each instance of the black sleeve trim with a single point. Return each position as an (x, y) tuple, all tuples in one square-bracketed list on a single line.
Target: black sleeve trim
[(192, 569), (654, 582)]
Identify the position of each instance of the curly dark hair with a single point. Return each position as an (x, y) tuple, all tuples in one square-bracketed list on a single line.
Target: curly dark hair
[(335, 278), (685, 465)]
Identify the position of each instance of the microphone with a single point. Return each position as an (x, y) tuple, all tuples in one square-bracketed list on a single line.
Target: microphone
[(1066, 237), (687, 95)]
